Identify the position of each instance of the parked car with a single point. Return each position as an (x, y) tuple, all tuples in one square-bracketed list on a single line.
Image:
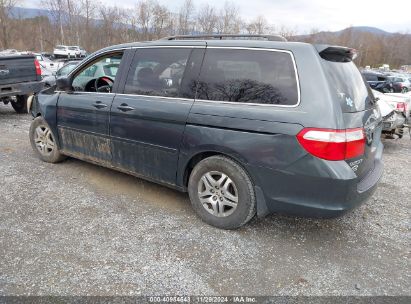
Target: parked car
[(63, 61), (80, 52), (47, 64), (8, 52), (64, 51), (50, 80), (400, 84), (395, 113), (75, 50), (241, 125), (47, 55), (20, 77), (378, 81)]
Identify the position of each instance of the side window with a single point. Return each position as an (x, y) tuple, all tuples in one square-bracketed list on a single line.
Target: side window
[(157, 72), (262, 77), (98, 76), (370, 77)]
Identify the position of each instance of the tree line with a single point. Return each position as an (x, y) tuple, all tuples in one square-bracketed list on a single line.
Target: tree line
[(94, 25), (374, 49)]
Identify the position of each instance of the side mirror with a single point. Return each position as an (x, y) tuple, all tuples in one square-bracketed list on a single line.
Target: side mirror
[(63, 83)]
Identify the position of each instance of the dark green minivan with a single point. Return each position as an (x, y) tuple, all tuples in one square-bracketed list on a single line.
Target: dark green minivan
[(245, 126)]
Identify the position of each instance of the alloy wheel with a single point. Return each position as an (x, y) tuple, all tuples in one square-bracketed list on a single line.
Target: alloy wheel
[(218, 193), (44, 141)]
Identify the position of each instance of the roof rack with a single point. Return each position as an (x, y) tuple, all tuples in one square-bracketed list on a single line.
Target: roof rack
[(222, 36)]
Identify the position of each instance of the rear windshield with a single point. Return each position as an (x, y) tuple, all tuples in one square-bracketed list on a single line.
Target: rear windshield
[(349, 86)]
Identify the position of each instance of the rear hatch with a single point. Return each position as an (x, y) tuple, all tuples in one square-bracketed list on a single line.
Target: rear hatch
[(356, 100), (15, 69)]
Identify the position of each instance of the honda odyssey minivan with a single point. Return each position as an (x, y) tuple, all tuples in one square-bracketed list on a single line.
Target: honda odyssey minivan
[(245, 126)]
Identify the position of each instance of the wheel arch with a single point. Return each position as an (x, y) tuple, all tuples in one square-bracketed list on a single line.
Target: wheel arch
[(198, 156), (261, 205)]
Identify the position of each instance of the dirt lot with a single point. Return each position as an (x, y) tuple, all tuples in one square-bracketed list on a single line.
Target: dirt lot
[(76, 228)]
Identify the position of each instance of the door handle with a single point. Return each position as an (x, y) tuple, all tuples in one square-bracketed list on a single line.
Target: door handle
[(99, 105), (125, 107)]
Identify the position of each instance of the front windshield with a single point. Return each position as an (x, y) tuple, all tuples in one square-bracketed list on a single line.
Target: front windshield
[(66, 69)]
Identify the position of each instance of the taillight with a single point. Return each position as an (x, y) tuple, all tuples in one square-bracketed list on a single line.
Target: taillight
[(333, 144), (401, 106), (37, 65)]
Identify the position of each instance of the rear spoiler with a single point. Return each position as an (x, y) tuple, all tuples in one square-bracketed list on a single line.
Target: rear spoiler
[(336, 53)]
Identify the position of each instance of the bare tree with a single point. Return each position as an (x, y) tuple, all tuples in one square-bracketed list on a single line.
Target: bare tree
[(93, 25), (88, 12), (57, 12), (161, 20), (5, 21), (229, 20), (109, 16), (286, 32), (207, 19), (145, 14), (185, 25), (258, 26)]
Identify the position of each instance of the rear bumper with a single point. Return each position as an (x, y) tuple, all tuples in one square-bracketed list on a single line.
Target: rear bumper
[(319, 196), (22, 88)]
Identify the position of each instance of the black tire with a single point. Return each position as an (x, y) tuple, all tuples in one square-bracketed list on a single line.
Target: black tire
[(52, 156), (246, 206), (20, 105), (404, 90)]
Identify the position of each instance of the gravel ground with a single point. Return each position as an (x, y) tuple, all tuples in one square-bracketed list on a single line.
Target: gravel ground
[(76, 229)]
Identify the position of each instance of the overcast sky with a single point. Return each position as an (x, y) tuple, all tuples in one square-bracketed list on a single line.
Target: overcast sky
[(303, 15)]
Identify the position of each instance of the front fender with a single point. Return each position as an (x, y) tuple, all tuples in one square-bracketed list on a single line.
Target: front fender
[(44, 104)]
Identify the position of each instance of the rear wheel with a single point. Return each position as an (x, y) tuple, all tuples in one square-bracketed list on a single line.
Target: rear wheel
[(43, 141), (20, 104), (404, 90), (221, 193)]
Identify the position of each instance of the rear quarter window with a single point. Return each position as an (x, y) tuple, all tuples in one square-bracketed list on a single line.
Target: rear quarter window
[(248, 76)]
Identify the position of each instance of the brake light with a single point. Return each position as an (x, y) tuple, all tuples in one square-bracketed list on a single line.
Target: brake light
[(37, 65), (401, 106), (332, 144)]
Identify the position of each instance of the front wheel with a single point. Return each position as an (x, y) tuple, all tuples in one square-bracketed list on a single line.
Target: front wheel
[(20, 104), (43, 141), (404, 90), (221, 193)]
